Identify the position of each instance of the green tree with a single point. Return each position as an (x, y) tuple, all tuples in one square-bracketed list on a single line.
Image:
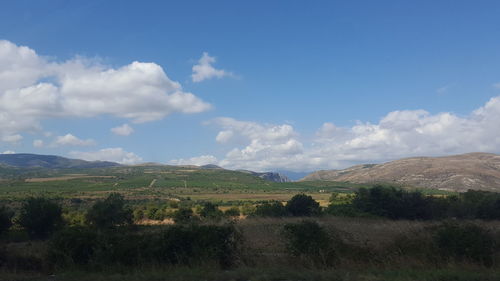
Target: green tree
[(183, 215), (40, 217), (109, 213), (302, 205), (5, 219), (210, 211), (270, 209)]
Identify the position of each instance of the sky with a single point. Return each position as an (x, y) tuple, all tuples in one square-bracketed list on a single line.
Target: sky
[(259, 85)]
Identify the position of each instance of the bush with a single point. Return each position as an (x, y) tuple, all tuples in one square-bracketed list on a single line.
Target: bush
[(109, 213), (232, 212), (270, 209), (177, 244), (73, 246), (183, 215), (309, 241), (5, 219), (465, 242), (210, 211), (302, 205), (40, 217)]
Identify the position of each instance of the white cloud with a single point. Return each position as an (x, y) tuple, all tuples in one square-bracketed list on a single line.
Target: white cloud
[(8, 152), (13, 139), (116, 154), (404, 133), (198, 161), (204, 69), (123, 130), (140, 92), (70, 139), (38, 143)]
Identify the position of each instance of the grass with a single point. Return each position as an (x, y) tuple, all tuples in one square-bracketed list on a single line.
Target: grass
[(268, 273)]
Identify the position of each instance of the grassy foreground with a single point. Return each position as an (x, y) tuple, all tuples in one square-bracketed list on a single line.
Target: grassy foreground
[(454, 273)]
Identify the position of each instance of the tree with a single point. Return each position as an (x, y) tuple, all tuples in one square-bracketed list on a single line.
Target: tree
[(5, 219), (109, 213), (270, 209), (303, 205), (183, 215), (40, 217), (210, 211)]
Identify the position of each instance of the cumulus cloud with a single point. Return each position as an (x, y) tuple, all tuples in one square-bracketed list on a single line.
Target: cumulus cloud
[(198, 161), (33, 88), (116, 154), (123, 130), (404, 133), (71, 140), (13, 139), (204, 69)]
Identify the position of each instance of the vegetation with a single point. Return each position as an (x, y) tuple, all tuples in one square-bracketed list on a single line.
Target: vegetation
[(309, 241), (5, 219), (40, 217), (120, 222), (109, 213)]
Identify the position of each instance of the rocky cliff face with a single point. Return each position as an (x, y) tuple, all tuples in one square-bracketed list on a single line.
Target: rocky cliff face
[(269, 176), (478, 171), (276, 177)]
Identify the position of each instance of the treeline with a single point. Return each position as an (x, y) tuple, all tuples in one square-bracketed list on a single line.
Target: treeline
[(394, 203), (390, 202)]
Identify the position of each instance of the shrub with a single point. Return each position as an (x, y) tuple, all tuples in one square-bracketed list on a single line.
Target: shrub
[(73, 246), (303, 205), (109, 213), (40, 217), (5, 219), (465, 242), (270, 209), (247, 209), (183, 215), (177, 244), (309, 241), (210, 211), (232, 212)]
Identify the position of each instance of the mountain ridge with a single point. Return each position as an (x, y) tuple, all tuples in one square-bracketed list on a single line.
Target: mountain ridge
[(477, 170)]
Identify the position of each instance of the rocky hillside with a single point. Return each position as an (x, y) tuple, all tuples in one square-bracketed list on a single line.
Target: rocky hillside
[(269, 176), (479, 171)]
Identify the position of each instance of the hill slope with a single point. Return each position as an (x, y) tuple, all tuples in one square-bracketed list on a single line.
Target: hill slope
[(25, 160), (479, 171)]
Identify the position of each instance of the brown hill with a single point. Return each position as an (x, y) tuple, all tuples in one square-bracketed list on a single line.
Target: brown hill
[(479, 171)]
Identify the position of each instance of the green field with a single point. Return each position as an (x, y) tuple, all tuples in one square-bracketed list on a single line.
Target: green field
[(158, 182)]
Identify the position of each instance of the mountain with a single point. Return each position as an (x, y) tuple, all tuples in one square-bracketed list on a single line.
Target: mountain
[(478, 171), (269, 176), (25, 160), (293, 176)]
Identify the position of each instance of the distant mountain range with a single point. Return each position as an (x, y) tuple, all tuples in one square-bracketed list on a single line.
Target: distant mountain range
[(479, 171), (25, 160)]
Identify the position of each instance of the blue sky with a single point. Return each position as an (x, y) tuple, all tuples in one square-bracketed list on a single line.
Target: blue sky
[(294, 85)]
